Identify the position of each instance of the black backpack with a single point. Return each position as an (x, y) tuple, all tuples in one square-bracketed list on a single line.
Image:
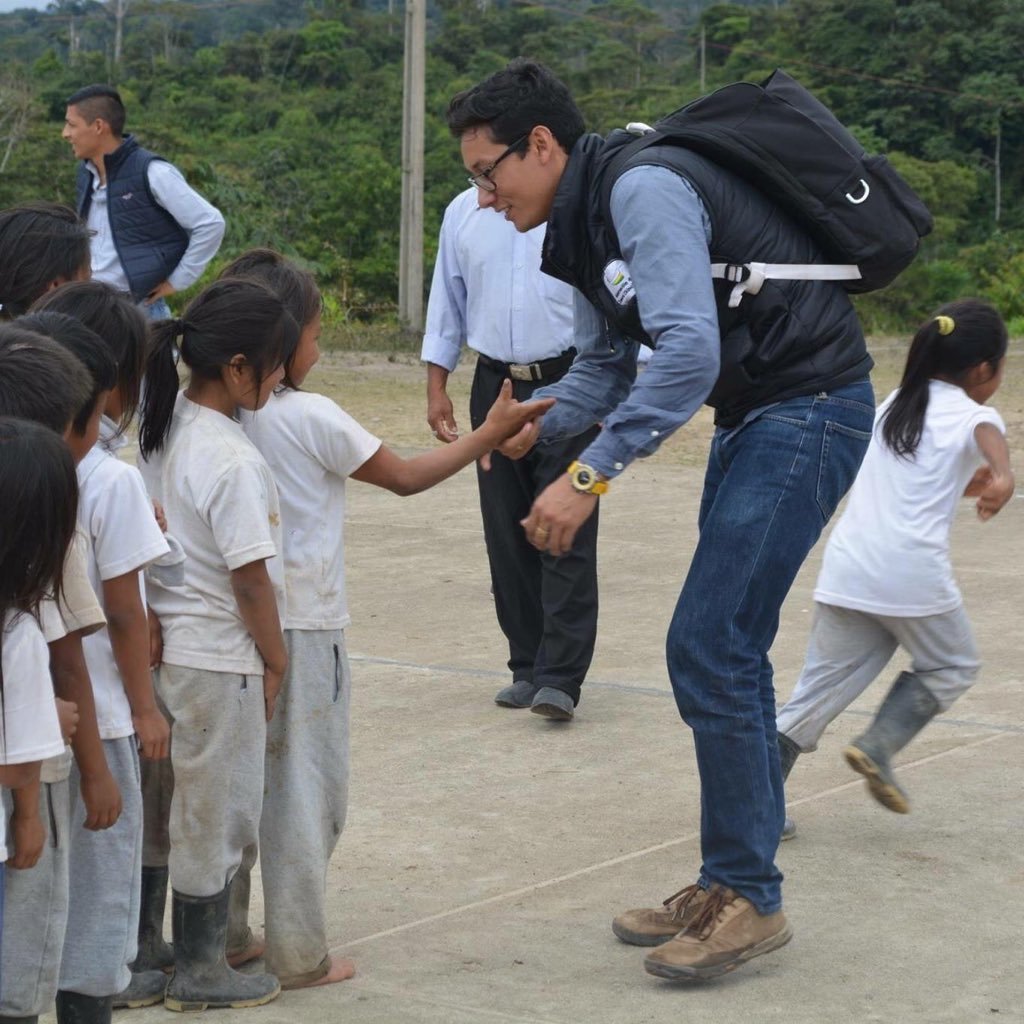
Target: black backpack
[(787, 144)]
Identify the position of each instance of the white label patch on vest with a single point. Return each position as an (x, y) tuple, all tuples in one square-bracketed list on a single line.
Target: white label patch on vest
[(619, 283)]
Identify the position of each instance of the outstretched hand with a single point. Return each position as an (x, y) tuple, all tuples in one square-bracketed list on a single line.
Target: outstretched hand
[(514, 426)]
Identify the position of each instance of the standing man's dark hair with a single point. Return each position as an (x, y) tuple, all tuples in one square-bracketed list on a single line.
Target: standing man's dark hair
[(632, 229), (100, 102)]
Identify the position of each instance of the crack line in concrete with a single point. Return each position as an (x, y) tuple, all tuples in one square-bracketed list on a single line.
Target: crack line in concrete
[(649, 691), (625, 858)]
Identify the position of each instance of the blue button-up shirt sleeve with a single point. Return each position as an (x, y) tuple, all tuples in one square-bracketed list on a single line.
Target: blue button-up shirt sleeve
[(446, 308), (664, 233)]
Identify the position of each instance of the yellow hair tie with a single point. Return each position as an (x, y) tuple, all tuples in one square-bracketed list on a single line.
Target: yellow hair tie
[(946, 324)]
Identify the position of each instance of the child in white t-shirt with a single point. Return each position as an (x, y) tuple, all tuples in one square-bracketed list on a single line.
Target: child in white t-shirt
[(887, 580), (223, 652), (116, 515), (37, 523), (312, 447)]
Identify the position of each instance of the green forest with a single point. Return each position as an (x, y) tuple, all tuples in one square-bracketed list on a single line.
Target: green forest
[(287, 115)]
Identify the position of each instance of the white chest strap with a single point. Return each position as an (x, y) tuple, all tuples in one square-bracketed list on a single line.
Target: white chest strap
[(749, 277)]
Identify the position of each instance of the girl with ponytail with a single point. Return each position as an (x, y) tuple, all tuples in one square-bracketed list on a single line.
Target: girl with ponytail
[(223, 654), (887, 578)]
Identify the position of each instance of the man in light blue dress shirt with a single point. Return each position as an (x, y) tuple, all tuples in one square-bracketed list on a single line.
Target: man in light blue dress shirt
[(633, 229), (489, 293)]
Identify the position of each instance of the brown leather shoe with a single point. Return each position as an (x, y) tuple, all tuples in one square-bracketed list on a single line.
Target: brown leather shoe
[(653, 926), (726, 933)]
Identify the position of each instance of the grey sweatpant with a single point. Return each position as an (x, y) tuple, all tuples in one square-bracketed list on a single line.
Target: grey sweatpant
[(848, 649), (218, 737), (304, 805), (105, 873), (36, 914)]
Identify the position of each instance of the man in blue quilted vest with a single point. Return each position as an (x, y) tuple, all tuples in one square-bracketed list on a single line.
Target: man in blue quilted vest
[(153, 233)]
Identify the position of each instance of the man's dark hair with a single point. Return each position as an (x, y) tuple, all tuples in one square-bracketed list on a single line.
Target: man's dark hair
[(88, 346), (103, 102), (39, 242), (515, 100), (39, 380)]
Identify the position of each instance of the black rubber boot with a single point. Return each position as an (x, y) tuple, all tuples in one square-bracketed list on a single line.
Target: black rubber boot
[(155, 954), (145, 989), (202, 978), (74, 1008), (788, 753), (907, 709)]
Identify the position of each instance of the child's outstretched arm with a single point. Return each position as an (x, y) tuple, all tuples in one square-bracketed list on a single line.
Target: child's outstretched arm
[(506, 418), (257, 605), (992, 485), (129, 640)]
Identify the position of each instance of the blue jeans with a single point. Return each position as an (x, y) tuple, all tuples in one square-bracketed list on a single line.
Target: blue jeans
[(158, 310), (770, 486)]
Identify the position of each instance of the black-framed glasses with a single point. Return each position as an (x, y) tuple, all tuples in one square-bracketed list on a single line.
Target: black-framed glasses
[(483, 179)]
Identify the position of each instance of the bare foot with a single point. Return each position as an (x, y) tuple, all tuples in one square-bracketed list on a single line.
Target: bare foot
[(251, 952), (341, 969)]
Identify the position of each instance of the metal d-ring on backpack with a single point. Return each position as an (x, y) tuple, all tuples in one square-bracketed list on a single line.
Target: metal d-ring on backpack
[(787, 144)]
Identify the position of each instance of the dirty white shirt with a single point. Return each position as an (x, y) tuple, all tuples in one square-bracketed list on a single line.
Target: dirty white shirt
[(312, 446), (222, 505)]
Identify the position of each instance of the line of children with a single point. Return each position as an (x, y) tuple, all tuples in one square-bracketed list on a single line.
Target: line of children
[(887, 580), (312, 447)]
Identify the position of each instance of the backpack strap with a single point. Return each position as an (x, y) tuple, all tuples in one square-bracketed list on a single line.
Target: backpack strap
[(749, 277)]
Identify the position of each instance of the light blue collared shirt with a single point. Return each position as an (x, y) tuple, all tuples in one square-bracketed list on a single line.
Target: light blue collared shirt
[(200, 220), (488, 291), (664, 233)]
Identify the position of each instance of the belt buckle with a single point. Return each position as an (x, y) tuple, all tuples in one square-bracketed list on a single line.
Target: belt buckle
[(521, 371)]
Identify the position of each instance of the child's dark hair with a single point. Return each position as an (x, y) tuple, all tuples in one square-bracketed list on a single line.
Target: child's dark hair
[(233, 316), (295, 287), (88, 346), (39, 380), (37, 518), (513, 101), (40, 243), (118, 322), (100, 101), (960, 336)]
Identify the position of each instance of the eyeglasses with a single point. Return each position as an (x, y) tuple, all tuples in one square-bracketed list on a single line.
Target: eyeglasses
[(483, 178)]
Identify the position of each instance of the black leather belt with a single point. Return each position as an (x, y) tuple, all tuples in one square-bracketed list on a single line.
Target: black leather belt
[(543, 369)]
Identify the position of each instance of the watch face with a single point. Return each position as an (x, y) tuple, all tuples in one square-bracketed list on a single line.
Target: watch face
[(584, 477)]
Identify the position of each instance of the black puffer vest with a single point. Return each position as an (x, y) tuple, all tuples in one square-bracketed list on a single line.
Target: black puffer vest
[(792, 338), (149, 241)]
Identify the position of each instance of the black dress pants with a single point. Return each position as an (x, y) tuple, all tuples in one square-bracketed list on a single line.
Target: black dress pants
[(546, 606)]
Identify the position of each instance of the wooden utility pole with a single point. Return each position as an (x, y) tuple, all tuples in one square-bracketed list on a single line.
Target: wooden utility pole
[(120, 6), (703, 59), (410, 256)]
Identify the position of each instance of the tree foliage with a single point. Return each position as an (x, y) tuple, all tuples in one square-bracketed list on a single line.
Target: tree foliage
[(287, 115)]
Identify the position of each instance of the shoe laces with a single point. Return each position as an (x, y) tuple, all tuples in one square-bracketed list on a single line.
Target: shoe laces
[(678, 902), (707, 917)]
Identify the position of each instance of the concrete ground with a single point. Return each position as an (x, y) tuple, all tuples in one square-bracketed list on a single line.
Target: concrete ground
[(487, 850)]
